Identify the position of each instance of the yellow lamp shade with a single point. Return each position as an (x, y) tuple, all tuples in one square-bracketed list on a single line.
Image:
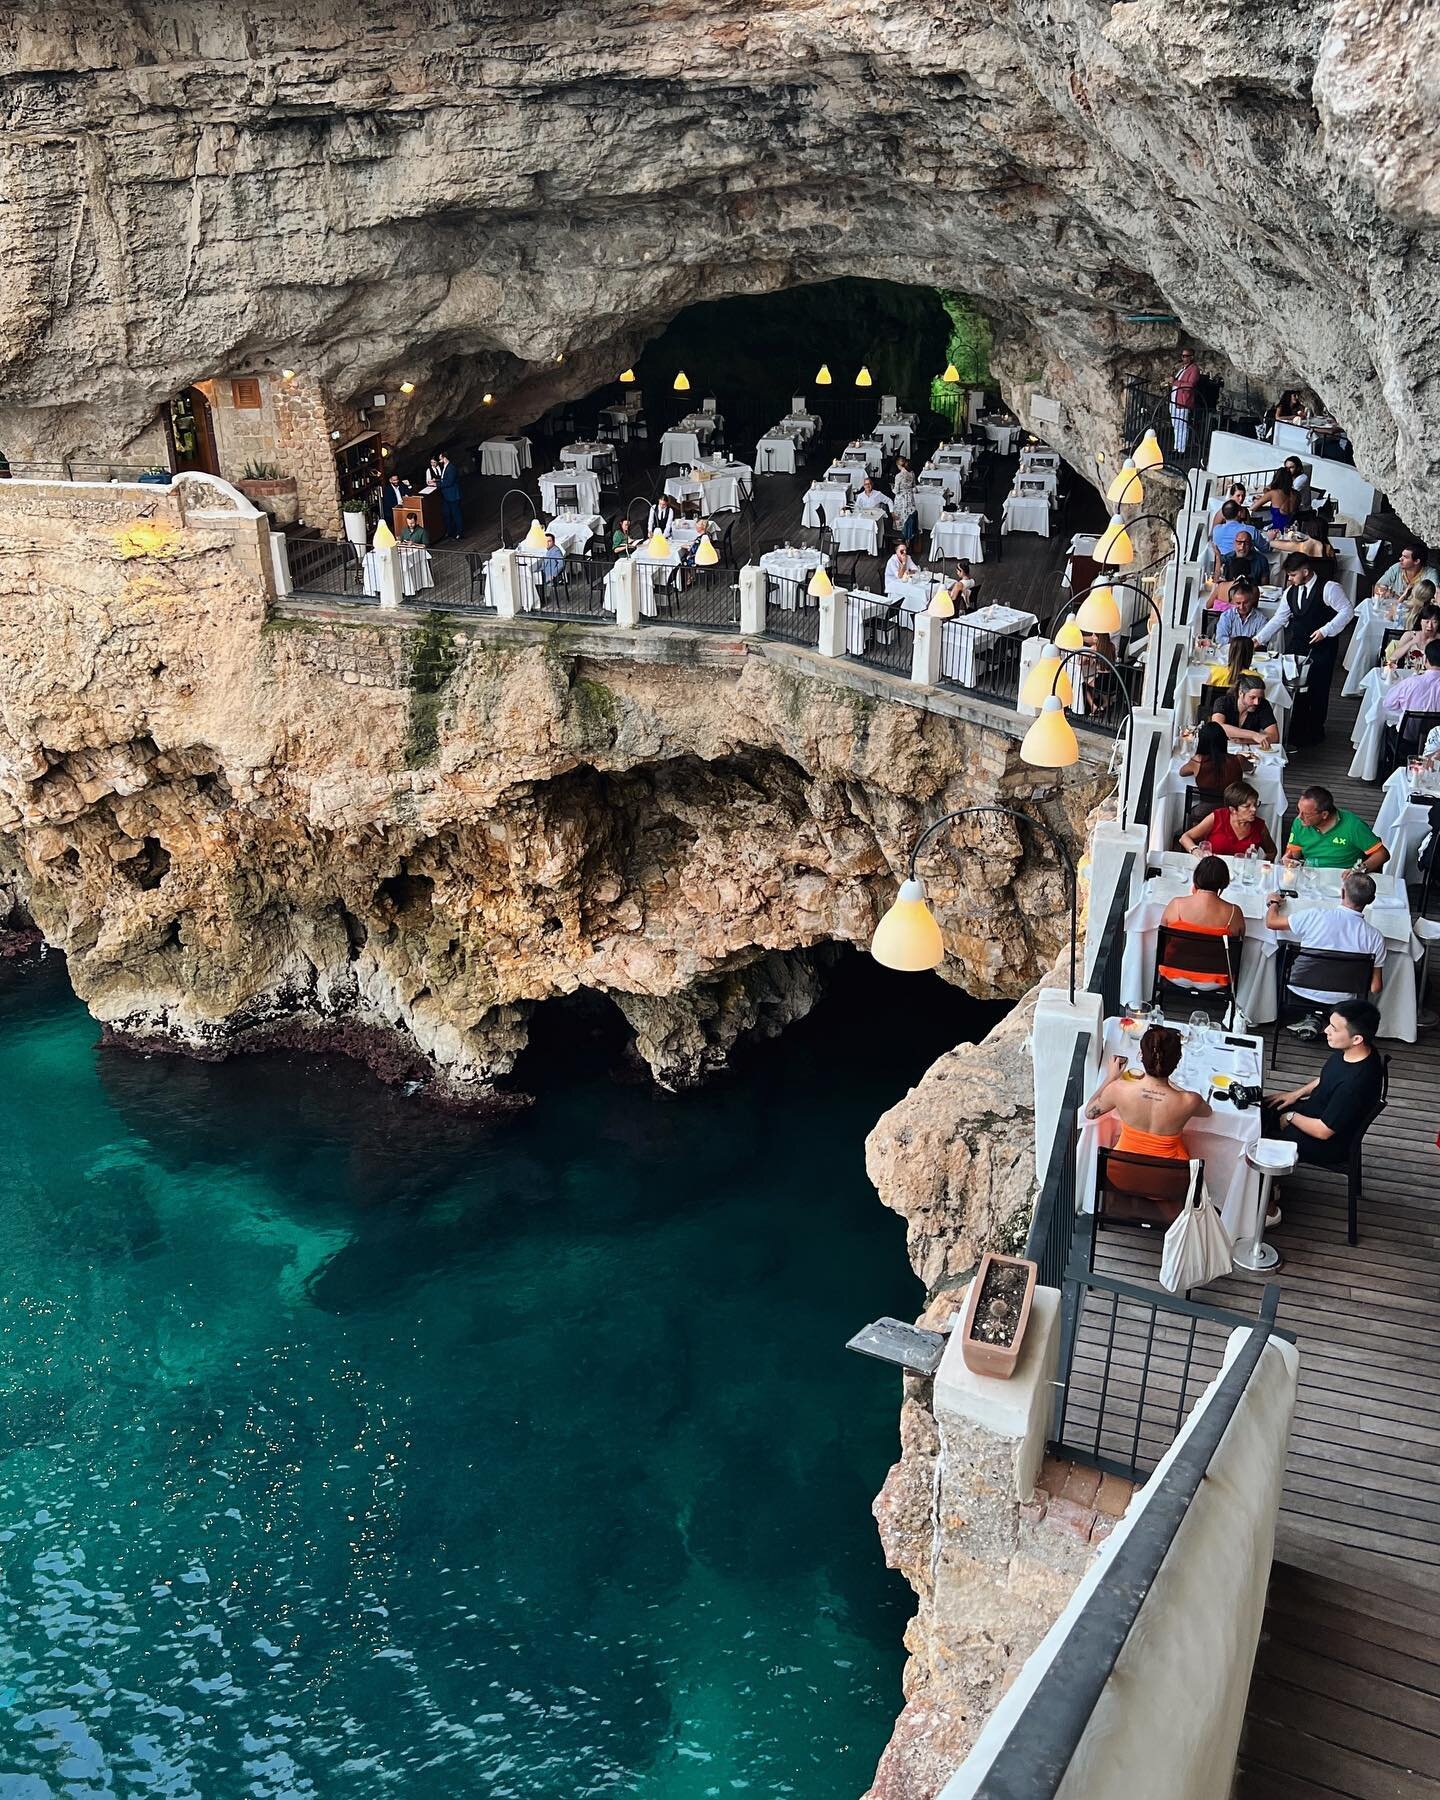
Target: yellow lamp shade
[(1070, 636), (1048, 676), (627, 375), (941, 605), (535, 536), (1148, 454), (706, 555), (288, 374), (659, 546), (820, 585), (384, 537), (1050, 743), (951, 373), (1099, 611), (682, 383), (907, 937), (407, 387), (486, 399), (1114, 548), (863, 379), (824, 378), (1126, 489)]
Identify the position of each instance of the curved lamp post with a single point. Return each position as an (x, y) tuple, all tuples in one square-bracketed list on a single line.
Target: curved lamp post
[(536, 528), (1095, 609), (908, 938), (1050, 743)]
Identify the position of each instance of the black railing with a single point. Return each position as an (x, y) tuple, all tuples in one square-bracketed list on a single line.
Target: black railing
[(572, 587), (1052, 1229), (1148, 408), (881, 633), (461, 581), (980, 662), (1041, 1744), (1107, 700), (709, 598), (1145, 793), (790, 612), (327, 566), (1105, 979)]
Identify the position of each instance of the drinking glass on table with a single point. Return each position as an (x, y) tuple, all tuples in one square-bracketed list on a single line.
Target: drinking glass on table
[(1199, 1026)]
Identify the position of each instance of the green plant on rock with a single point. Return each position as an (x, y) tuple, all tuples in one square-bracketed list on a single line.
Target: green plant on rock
[(434, 658)]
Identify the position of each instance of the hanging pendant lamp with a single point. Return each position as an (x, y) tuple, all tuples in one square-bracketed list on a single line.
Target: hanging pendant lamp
[(823, 379)]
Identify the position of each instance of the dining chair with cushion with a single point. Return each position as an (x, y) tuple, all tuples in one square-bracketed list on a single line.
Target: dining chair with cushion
[(1201, 968), (1347, 972), (1139, 1192)]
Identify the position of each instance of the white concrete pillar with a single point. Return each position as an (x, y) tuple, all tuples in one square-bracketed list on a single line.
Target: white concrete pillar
[(280, 564), (505, 584), (1109, 844), (1005, 1423), (1057, 1027), (752, 600), (1031, 650), (625, 586), (834, 612), (392, 587), (925, 658)]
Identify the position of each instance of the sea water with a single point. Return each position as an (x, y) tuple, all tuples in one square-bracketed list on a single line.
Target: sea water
[(351, 1448)]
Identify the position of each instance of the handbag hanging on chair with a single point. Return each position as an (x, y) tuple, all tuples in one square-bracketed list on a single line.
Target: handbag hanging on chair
[(1198, 1248)]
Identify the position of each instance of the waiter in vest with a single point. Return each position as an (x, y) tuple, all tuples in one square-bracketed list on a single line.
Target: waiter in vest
[(1309, 621)]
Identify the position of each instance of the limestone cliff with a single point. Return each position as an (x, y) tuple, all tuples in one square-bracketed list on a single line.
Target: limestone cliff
[(407, 833), (467, 193)]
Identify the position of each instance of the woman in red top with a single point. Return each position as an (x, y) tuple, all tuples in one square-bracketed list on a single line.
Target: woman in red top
[(1233, 828)]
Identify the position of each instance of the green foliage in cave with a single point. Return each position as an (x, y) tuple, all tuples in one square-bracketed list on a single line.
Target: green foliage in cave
[(968, 348)]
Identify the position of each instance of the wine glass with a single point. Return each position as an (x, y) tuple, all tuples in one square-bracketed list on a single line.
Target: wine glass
[(1198, 1026)]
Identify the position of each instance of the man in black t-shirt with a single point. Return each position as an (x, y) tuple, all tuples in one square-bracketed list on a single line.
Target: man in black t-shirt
[(1323, 1118)]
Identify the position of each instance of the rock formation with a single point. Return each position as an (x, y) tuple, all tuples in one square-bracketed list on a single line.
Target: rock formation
[(490, 198)]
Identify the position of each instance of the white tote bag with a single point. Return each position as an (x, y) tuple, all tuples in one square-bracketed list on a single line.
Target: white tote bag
[(1197, 1246)]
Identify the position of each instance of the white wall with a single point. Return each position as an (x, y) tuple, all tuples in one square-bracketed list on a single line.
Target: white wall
[(1231, 454), (1168, 1722)]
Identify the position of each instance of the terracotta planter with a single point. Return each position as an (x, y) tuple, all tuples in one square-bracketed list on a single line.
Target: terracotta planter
[(997, 1360), (279, 496)]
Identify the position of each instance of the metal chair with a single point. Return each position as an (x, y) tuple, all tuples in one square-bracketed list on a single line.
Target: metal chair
[(1214, 962), (1347, 972), (1198, 802), (567, 499), (1405, 739), (475, 563), (1139, 1192)]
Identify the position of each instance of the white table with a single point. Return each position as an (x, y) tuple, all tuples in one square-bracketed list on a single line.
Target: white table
[(1026, 512), (585, 484), (1220, 1141), (917, 590), (913, 600), (619, 420), (597, 457), (679, 447), (843, 474), (1277, 671), (703, 424), (573, 531), (504, 456), (1039, 459), (807, 424), (1255, 993), (648, 567), (831, 495), (774, 455), (951, 457), (719, 487), (864, 458), (1030, 480), (1265, 773), (933, 495), (793, 565), (1001, 436), (959, 536), (1403, 820), (856, 531), (958, 649), (1368, 734), (894, 435), (415, 570), (1373, 618)]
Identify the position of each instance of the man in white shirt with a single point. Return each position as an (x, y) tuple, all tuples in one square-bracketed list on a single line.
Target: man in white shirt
[(1308, 621), (1330, 928), (662, 516), (901, 567), (870, 499)]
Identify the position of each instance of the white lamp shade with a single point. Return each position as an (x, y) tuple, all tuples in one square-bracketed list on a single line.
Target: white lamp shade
[(1114, 549), (706, 555), (659, 546), (823, 379), (820, 585), (627, 375), (1148, 454), (384, 537), (1071, 636), (908, 938), (863, 379), (1126, 489), (682, 383)]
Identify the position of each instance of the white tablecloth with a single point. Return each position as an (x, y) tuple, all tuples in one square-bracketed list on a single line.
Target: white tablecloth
[(415, 570), (864, 458), (1037, 481), (701, 423), (599, 457), (504, 456), (931, 500), (951, 459), (618, 420), (1390, 915), (1039, 459), (856, 531), (894, 436), (915, 591), (1373, 618), (649, 568), (857, 617), (678, 447), (573, 532), (1266, 775), (1003, 437), (793, 565), (1369, 731), (1276, 670), (959, 649), (959, 536), (830, 495), (806, 423), (1026, 512), (722, 490), (774, 456), (1402, 822), (585, 484)]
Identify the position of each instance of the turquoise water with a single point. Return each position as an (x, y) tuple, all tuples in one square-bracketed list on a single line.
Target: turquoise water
[(351, 1449)]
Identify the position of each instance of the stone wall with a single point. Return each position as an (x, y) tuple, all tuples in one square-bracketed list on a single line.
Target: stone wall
[(304, 420)]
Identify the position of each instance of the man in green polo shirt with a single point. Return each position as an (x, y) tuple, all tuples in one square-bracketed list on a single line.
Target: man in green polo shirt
[(1329, 838)]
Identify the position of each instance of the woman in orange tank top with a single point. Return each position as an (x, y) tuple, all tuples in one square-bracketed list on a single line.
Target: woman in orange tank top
[(1206, 914), (1152, 1113)]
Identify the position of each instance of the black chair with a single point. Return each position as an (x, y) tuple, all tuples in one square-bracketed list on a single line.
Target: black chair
[(475, 561), (1198, 802), (992, 541), (567, 498), (668, 586), (848, 577), (1347, 972), (882, 627), (1298, 694), (1406, 739), (727, 546), (1209, 621), (1210, 697), (1139, 1192), (1213, 961)]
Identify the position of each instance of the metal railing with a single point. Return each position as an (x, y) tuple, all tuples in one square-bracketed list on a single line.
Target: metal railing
[(73, 469), (879, 632), (1105, 979), (708, 598), (980, 662), (1032, 1762), (790, 613), (1052, 1229), (1148, 408), (574, 589), (461, 581), (330, 566)]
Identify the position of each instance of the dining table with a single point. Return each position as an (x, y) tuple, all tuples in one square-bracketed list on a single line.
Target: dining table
[(573, 531), (1373, 618), (1279, 673), (1026, 512), (719, 485), (1368, 732), (1255, 994), (1002, 436), (957, 534), (894, 436), (504, 456), (866, 457), (585, 483), (775, 452), (679, 447), (1264, 770), (597, 457), (416, 571), (960, 651), (650, 569), (833, 496), (1403, 821), (856, 531), (935, 492)]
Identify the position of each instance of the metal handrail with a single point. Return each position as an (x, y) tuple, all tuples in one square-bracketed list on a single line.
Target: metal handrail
[(1053, 1226), (1106, 975), (1042, 1742)]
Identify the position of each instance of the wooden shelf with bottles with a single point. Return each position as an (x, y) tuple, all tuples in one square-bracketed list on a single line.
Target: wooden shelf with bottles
[(361, 473)]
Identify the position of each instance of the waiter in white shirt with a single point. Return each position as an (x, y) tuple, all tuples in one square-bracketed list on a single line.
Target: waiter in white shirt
[(1308, 622)]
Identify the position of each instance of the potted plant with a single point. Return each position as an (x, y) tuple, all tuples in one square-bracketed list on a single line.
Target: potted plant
[(271, 491), (993, 1332)]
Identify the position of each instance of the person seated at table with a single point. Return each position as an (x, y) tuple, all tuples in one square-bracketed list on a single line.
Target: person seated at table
[(1412, 694), (1327, 837), (1281, 499), (1234, 828), (1342, 927), (1152, 1112), (623, 539), (1424, 631), (1232, 523), (1289, 409), (1235, 498), (1240, 654), (901, 567), (414, 533), (1299, 480), (870, 499), (1206, 914), (1247, 561), (1213, 766), (1323, 1117), (1309, 535), (1101, 689), (1241, 618), (552, 562), (1246, 714), (662, 516), (1411, 566), (961, 590)]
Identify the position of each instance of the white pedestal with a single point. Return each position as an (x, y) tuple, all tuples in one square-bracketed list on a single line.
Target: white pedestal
[(392, 587), (834, 608), (1057, 1026), (1015, 1412), (505, 583), (1108, 846), (625, 586), (925, 659), (752, 601)]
